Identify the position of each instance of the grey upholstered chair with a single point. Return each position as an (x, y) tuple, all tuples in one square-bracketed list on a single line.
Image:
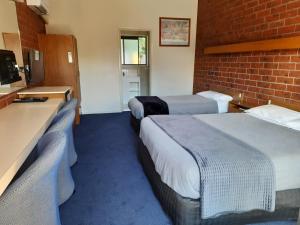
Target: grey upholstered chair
[(64, 121), (65, 180), (70, 105), (32, 198)]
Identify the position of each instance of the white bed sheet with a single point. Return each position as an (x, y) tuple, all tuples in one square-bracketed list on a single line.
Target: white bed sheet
[(180, 171)]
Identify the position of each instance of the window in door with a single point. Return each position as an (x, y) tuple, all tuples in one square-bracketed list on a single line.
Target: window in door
[(134, 50)]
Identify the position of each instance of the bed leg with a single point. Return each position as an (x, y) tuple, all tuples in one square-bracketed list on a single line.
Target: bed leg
[(298, 223)]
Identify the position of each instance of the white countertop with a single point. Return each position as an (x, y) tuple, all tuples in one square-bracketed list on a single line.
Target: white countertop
[(9, 90), (21, 126), (46, 90)]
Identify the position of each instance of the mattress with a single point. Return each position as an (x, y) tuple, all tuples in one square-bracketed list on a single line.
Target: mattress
[(179, 170), (185, 104)]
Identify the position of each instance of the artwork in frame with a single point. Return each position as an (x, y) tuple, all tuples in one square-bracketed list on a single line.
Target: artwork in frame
[(174, 31)]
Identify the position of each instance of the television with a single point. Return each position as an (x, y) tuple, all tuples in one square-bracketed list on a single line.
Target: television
[(9, 71), (35, 72)]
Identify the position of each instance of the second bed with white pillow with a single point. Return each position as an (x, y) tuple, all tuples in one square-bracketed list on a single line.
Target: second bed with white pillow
[(201, 103)]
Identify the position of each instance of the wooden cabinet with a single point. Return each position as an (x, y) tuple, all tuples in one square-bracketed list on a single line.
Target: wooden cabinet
[(61, 63), (239, 106)]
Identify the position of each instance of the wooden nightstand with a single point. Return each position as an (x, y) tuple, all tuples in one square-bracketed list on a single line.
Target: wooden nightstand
[(239, 106)]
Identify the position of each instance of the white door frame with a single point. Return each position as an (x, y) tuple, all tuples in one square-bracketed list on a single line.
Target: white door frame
[(135, 32)]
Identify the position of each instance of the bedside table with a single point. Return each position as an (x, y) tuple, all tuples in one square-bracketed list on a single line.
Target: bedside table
[(239, 106)]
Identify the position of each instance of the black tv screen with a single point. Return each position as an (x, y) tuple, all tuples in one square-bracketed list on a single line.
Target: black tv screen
[(9, 72), (36, 72)]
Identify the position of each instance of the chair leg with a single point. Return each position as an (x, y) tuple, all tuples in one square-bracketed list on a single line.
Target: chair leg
[(298, 223)]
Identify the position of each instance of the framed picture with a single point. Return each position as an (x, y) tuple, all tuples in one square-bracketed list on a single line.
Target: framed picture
[(174, 31)]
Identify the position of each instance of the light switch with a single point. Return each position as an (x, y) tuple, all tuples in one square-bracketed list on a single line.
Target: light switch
[(36, 55), (70, 57)]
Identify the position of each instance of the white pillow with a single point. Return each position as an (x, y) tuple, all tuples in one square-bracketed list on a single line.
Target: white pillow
[(215, 96), (293, 124), (274, 114), (221, 99)]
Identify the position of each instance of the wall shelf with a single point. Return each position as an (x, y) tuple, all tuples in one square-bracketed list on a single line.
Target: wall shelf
[(266, 45)]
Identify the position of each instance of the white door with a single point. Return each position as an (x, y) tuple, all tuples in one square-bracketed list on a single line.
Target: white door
[(135, 66), (131, 86)]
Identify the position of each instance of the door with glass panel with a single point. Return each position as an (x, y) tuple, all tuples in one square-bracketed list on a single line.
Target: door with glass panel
[(134, 65)]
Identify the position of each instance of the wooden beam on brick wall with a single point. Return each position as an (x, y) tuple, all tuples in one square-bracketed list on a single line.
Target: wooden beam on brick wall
[(261, 46)]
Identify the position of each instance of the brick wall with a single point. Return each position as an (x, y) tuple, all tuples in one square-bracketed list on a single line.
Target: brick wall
[(259, 75), (30, 25)]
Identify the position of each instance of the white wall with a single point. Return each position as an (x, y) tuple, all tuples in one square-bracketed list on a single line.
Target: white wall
[(8, 19), (96, 25)]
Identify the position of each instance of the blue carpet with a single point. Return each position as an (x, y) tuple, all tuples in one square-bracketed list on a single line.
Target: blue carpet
[(111, 187)]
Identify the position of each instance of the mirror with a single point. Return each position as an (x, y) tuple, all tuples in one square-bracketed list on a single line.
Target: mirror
[(10, 40)]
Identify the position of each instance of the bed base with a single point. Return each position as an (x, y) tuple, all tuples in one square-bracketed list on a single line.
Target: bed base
[(185, 211), (135, 123)]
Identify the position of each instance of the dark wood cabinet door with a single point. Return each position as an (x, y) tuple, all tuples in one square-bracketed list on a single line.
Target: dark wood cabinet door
[(61, 62)]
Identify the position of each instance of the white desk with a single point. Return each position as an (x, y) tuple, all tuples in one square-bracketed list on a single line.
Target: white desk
[(62, 92), (9, 90), (21, 126), (45, 90)]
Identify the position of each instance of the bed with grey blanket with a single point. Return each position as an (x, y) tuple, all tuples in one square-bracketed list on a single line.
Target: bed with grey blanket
[(230, 163), (185, 104), (226, 165)]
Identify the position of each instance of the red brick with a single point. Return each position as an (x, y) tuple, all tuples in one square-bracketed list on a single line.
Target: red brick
[(278, 9), (281, 73), (292, 88), (296, 96), (255, 77), (294, 74), (250, 83), (265, 72), (287, 29), (267, 91), (253, 59), (270, 65), (285, 80), (293, 5), (282, 58), (287, 66), (283, 94), (295, 59), (293, 20), (263, 84), (297, 81), (253, 89), (269, 78), (278, 86), (288, 14)]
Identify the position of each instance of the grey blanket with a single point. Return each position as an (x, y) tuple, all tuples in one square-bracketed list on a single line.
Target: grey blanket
[(190, 105), (179, 105), (234, 177)]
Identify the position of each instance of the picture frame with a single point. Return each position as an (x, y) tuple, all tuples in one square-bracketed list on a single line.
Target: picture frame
[(174, 32)]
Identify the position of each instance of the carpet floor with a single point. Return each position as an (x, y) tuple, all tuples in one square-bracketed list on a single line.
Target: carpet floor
[(111, 187)]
